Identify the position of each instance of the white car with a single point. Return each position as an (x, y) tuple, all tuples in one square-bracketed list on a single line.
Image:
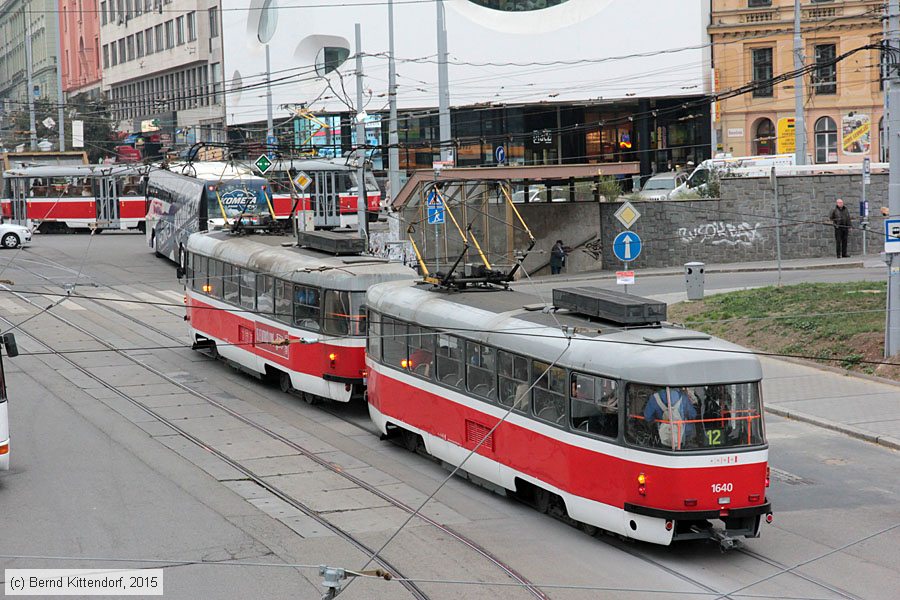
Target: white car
[(13, 236), (659, 187)]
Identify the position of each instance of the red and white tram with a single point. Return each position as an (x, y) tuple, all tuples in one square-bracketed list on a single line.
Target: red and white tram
[(645, 430), (291, 314), (325, 189), (75, 196)]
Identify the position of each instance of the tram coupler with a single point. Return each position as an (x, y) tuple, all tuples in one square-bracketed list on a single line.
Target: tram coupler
[(726, 542)]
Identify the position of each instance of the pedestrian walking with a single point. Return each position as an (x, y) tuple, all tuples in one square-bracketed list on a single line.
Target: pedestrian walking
[(557, 258), (840, 218)]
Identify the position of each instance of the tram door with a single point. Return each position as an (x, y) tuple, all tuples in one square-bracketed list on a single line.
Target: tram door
[(20, 186), (325, 199), (106, 199)]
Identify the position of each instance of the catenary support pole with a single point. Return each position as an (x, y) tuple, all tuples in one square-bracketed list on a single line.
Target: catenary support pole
[(799, 118), (362, 192), (393, 133), (892, 331), (32, 128), (443, 84), (270, 129), (777, 223), (61, 125)]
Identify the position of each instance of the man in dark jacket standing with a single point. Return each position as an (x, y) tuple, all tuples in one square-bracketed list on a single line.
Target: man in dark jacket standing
[(840, 218)]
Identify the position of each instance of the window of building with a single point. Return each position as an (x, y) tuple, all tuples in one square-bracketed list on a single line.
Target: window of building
[(130, 46), (128, 11), (148, 41), (179, 30), (122, 51), (105, 56), (113, 54), (758, 3), (762, 71), (170, 34), (215, 76), (112, 11), (160, 40), (824, 77), (883, 146), (192, 26), (481, 374), (214, 22), (826, 140), (549, 393), (764, 137), (330, 58), (103, 13), (138, 8), (121, 10), (139, 44), (595, 405)]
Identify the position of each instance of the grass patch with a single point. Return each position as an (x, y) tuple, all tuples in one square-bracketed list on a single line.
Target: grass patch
[(839, 324)]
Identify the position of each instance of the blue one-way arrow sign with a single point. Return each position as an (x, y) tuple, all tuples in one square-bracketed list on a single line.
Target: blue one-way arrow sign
[(627, 246)]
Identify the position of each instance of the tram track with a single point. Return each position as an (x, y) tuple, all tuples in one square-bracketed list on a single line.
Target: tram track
[(414, 590)]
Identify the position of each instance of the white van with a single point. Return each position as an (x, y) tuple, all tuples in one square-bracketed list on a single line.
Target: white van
[(722, 165), (9, 341)]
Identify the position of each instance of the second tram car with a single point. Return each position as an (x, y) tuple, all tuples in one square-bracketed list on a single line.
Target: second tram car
[(75, 197), (645, 430), (291, 314)]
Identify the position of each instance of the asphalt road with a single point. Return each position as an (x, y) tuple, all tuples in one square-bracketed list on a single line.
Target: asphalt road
[(93, 479)]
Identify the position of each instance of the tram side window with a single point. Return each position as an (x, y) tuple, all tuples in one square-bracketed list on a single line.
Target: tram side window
[(283, 301), (513, 378), (393, 342), (374, 339), (215, 278), (230, 275), (421, 351), (248, 289), (306, 307), (337, 312), (549, 394), (449, 360), (595, 405), (481, 373), (265, 294)]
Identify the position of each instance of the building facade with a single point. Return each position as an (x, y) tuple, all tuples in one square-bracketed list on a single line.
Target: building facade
[(43, 27), (162, 67), (843, 103), (548, 81), (79, 45)]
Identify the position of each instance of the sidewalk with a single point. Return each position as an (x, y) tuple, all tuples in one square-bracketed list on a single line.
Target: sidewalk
[(867, 408)]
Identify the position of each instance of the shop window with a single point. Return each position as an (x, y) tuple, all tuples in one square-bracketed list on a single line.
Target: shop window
[(764, 138)]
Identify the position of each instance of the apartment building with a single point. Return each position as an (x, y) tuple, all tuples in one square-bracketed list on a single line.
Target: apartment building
[(79, 46), (162, 67), (843, 102), (42, 25)]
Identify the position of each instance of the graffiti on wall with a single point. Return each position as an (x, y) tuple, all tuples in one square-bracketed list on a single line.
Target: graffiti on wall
[(593, 248), (720, 233)]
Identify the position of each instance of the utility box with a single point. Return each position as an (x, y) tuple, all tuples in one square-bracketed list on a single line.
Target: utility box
[(694, 274)]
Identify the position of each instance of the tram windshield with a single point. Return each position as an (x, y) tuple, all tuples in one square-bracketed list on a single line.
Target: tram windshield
[(694, 417), (235, 197)]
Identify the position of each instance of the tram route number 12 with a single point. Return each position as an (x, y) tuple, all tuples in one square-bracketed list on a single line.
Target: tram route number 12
[(718, 488), (714, 437)]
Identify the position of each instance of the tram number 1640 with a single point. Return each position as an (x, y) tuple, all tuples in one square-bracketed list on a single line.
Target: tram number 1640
[(718, 488)]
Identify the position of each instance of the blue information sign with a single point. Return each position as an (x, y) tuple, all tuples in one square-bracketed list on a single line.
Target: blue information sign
[(435, 210), (271, 142), (627, 246)]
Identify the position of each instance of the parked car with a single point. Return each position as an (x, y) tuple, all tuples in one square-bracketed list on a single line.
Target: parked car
[(660, 187), (13, 236)]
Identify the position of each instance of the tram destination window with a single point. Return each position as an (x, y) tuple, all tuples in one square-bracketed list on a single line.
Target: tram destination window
[(594, 405), (373, 341), (283, 301), (393, 341), (449, 360), (549, 394), (513, 380), (704, 417), (306, 307), (481, 374), (421, 351)]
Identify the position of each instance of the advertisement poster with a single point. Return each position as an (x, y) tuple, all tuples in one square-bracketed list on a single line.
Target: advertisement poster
[(856, 133)]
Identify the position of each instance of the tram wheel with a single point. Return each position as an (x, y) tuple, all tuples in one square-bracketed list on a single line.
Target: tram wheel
[(284, 382), (588, 529), (542, 499), (410, 440), (214, 351), (310, 399)]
